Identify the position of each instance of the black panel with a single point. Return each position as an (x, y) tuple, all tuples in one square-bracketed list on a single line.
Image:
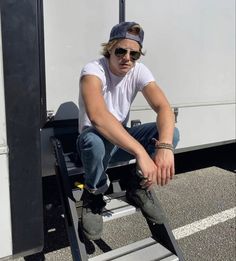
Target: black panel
[(40, 25), (121, 11), (23, 82)]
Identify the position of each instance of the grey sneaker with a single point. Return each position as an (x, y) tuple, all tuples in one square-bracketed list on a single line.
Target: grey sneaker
[(91, 218), (143, 199)]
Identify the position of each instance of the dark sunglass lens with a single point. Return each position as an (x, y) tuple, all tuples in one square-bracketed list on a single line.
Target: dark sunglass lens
[(120, 52), (135, 55)]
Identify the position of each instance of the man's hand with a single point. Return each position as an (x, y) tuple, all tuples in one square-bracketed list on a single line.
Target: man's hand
[(148, 169), (158, 170), (164, 160)]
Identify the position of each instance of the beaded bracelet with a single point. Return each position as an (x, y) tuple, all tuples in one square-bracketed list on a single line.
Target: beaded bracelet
[(163, 145)]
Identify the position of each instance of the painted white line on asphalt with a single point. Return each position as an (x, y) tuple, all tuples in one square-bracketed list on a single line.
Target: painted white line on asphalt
[(205, 223)]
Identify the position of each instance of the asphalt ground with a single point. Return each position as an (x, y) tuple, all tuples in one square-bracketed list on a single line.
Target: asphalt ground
[(199, 204)]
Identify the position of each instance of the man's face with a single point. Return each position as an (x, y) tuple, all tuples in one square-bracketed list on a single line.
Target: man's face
[(123, 56)]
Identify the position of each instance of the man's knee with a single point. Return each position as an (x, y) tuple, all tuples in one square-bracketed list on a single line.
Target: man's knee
[(176, 137), (92, 143)]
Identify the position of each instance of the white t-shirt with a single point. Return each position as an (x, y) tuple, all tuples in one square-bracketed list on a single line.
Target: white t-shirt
[(119, 92)]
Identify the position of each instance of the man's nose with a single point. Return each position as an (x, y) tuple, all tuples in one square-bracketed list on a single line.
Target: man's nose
[(127, 55)]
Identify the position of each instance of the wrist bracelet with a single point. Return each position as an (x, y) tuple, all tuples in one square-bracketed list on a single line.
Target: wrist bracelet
[(163, 145)]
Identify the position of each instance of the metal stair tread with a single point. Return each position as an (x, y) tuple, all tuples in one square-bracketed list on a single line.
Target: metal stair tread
[(146, 250), (116, 208)]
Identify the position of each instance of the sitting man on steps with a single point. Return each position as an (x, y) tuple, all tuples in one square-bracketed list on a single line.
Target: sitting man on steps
[(108, 87)]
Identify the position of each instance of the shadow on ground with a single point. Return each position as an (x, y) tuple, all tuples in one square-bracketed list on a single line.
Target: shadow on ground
[(220, 156)]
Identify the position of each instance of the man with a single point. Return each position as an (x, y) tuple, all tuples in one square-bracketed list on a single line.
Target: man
[(108, 86)]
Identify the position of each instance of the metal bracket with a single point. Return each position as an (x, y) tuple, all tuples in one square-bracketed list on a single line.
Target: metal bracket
[(176, 112), (135, 123), (50, 115)]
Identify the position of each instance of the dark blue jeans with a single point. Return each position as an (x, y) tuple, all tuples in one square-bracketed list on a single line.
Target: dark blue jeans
[(96, 153)]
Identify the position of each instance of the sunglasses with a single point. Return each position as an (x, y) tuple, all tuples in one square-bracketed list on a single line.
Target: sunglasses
[(120, 52)]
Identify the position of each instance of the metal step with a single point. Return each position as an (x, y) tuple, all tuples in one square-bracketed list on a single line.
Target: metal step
[(117, 207), (143, 250)]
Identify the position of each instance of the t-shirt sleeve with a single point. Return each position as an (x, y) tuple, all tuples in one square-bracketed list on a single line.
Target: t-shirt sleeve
[(93, 68), (144, 77)]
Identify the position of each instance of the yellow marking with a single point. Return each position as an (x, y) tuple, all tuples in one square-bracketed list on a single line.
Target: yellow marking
[(79, 185)]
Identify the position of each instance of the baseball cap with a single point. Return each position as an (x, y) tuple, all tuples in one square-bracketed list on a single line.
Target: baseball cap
[(122, 31)]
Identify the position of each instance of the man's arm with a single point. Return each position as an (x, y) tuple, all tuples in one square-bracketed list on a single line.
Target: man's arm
[(164, 158), (110, 127)]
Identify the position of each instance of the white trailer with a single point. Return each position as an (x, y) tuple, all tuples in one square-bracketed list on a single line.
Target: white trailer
[(190, 48)]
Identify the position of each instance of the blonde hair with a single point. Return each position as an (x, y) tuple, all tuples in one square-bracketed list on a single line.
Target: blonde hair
[(106, 47), (135, 29)]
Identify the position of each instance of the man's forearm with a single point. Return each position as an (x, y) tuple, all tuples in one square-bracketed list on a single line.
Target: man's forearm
[(165, 125), (113, 130)]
